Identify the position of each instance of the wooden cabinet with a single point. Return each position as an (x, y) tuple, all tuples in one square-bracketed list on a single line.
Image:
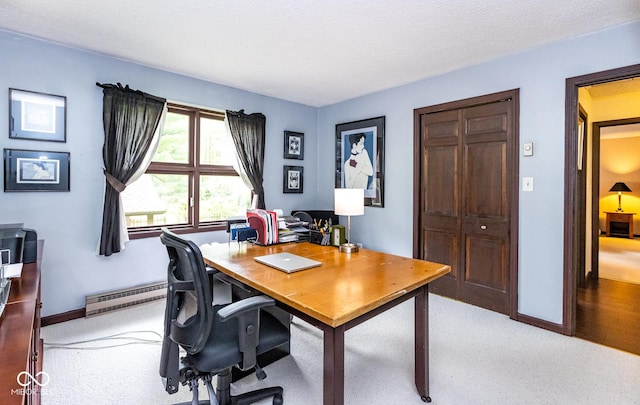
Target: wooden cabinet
[(20, 341), (620, 223)]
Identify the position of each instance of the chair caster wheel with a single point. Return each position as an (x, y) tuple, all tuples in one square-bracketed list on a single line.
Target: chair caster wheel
[(425, 399)]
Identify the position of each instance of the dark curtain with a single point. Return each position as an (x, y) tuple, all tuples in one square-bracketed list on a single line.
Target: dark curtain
[(130, 119), (247, 131)]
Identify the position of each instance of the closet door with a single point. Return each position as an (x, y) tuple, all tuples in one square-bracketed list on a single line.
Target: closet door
[(440, 191), (467, 181), (484, 272)]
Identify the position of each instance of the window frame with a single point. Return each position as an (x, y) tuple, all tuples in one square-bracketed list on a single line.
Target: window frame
[(194, 170)]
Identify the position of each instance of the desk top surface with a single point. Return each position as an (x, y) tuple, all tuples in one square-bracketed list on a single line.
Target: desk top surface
[(343, 288)]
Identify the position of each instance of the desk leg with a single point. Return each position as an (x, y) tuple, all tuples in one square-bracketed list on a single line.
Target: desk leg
[(422, 343), (333, 372)]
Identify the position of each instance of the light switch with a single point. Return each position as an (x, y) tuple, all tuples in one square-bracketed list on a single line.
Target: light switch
[(527, 149), (527, 184)]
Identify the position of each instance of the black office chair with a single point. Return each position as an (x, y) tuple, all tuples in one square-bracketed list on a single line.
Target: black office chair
[(215, 337)]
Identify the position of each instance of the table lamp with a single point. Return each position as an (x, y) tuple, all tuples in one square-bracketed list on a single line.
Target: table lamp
[(620, 187), (349, 201)]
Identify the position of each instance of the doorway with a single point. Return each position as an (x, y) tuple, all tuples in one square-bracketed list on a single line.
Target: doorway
[(466, 197), (593, 307)]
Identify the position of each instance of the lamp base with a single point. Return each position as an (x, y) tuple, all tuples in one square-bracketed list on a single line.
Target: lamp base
[(349, 248)]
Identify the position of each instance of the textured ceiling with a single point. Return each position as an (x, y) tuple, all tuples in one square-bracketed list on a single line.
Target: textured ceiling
[(615, 88), (311, 51)]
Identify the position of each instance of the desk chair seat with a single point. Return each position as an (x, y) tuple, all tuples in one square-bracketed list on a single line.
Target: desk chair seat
[(222, 349), (214, 337)]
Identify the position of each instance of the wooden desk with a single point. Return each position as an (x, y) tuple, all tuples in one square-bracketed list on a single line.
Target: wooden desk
[(345, 291), (20, 342), (621, 217)]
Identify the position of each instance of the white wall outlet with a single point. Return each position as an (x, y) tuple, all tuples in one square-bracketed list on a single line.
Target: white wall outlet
[(527, 184), (527, 149)]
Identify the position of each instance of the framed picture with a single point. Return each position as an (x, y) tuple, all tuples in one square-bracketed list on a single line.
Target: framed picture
[(293, 145), (360, 158), (37, 116), (32, 170), (292, 179)]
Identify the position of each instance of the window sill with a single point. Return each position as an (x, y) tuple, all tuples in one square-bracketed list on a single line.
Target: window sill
[(151, 232)]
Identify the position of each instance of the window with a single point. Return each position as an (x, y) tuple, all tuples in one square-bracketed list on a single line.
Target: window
[(190, 184)]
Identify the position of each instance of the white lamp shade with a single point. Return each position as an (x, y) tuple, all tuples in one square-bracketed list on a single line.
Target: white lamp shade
[(349, 201)]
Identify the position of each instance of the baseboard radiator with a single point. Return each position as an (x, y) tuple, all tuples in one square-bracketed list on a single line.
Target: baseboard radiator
[(125, 298)]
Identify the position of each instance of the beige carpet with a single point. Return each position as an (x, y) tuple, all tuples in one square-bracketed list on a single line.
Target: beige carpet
[(476, 356), (619, 259)]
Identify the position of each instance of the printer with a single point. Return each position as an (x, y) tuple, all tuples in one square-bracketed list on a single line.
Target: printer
[(17, 246)]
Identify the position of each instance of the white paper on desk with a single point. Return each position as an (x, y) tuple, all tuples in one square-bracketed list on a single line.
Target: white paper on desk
[(279, 214), (13, 270)]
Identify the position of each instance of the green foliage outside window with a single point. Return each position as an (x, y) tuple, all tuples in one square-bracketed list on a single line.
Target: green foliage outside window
[(161, 197)]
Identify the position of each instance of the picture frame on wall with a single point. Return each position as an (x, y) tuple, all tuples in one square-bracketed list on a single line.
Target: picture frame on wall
[(37, 116), (360, 158), (32, 170), (293, 145), (292, 179)]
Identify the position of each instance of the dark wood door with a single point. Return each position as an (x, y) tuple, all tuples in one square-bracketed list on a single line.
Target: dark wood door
[(581, 198), (468, 178)]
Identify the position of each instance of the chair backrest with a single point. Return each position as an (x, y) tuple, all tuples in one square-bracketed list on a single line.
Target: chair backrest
[(189, 312)]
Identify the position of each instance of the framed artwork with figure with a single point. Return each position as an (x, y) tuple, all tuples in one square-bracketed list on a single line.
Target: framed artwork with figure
[(360, 158)]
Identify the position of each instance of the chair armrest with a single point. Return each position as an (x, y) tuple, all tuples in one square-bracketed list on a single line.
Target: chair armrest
[(242, 307), (247, 311)]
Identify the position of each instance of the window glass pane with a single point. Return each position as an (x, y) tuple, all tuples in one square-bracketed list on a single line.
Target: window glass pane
[(174, 139), (157, 199), (222, 197), (216, 145)]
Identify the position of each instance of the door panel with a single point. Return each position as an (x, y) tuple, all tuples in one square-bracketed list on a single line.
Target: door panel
[(486, 255), (442, 247), (440, 206), (485, 213), (467, 178), (441, 190), (486, 173)]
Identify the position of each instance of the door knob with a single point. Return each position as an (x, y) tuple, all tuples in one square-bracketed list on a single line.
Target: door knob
[(483, 227)]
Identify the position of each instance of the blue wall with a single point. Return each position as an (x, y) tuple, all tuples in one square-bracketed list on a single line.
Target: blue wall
[(540, 75), (70, 222)]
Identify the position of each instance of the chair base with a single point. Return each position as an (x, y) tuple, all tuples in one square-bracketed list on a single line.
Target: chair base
[(254, 396), (223, 392), (247, 398)]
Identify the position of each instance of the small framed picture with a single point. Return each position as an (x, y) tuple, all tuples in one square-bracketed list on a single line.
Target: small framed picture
[(37, 116), (30, 170), (292, 178), (293, 145)]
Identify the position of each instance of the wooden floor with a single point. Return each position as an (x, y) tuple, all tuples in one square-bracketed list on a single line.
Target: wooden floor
[(608, 313)]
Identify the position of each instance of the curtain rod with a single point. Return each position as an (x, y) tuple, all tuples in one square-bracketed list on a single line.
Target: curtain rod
[(128, 89)]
